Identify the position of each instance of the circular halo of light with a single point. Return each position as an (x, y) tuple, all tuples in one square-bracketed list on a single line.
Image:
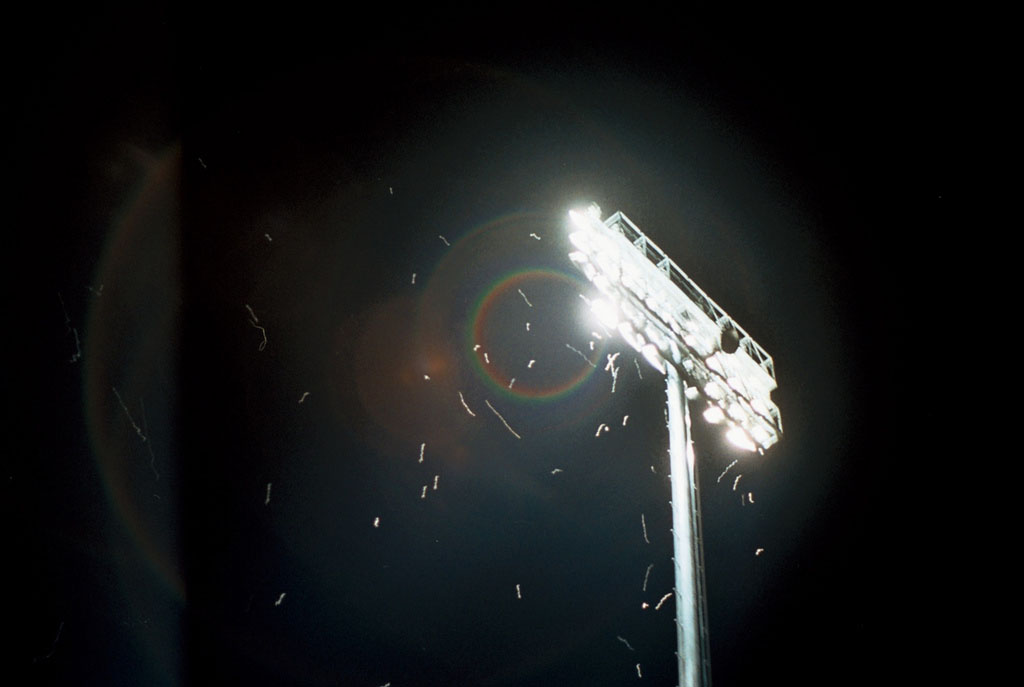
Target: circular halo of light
[(478, 323), (470, 265), (129, 339)]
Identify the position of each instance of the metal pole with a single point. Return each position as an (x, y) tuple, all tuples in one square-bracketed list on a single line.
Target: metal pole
[(690, 628)]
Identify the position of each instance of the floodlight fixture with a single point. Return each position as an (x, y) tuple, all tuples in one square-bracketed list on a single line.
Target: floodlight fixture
[(671, 320), (706, 357)]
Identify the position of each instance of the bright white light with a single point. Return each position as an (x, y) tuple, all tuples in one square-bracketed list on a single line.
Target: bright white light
[(671, 322), (631, 313), (655, 337), (579, 239), (676, 327), (737, 437), (760, 435), (633, 285), (602, 283), (714, 415), (631, 336), (674, 349), (650, 352), (714, 391), (606, 313), (759, 407)]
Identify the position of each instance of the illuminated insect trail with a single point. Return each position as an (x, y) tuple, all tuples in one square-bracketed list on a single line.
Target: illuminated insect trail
[(726, 470), (516, 435), (139, 431), (254, 321), (461, 398)]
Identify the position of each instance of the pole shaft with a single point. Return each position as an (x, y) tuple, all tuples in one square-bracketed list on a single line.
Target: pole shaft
[(684, 536)]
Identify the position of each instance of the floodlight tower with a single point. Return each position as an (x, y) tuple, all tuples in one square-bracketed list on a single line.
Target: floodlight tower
[(705, 357)]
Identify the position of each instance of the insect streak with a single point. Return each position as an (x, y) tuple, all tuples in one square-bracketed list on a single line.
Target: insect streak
[(139, 430), (255, 322), (502, 419), (643, 522), (663, 600), (77, 355), (726, 470), (463, 399), (53, 646), (581, 354)]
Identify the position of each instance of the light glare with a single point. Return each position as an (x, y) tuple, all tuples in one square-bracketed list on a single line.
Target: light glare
[(606, 313), (662, 314), (714, 415), (738, 438), (632, 337), (714, 391), (650, 352)]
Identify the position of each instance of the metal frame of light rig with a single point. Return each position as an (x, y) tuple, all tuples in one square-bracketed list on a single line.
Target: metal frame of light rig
[(705, 355)]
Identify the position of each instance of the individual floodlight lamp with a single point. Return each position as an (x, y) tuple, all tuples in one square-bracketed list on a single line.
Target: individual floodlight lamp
[(706, 358)]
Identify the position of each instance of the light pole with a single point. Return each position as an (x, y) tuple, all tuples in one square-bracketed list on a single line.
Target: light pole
[(704, 356)]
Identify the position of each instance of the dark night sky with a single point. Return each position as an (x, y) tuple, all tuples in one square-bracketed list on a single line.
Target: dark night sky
[(174, 169)]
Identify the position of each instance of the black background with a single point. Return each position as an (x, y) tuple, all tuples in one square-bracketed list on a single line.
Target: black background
[(166, 169)]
